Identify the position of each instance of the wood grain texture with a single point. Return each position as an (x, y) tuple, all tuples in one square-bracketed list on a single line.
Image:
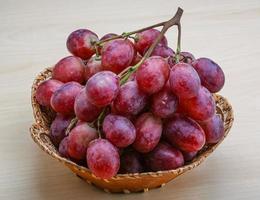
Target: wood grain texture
[(33, 35)]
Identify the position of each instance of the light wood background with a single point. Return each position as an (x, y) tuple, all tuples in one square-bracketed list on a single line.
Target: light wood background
[(33, 35)]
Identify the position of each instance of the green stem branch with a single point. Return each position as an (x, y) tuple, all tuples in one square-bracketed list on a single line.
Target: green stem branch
[(178, 50), (166, 25), (100, 121), (71, 125)]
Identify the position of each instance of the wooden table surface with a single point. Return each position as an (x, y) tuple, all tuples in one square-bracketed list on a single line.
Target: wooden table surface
[(33, 35)]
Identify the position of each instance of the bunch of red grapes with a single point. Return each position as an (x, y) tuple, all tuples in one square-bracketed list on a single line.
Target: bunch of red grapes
[(156, 119)]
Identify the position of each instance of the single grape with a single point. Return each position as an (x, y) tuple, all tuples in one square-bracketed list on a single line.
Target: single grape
[(130, 99), (184, 133), (211, 75), (184, 81), (131, 162), (102, 88), (113, 110), (68, 69), (186, 57), (62, 100), (163, 51), (164, 157), (103, 158), (202, 107), (146, 38), (106, 36), (136, 59), (85, 110), (214, 129), (92, 67), (81, 43), (148, 132), (188, 156), (152, 75), (119, 130), (164, 104), (45, 90), (58, 128), (79, 138), (63, 147), (117, 55)]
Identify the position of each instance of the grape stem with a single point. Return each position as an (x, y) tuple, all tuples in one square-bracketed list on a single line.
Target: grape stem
[(166, 25), (100, 120), (175, 20), (178, 50), (71, 126)]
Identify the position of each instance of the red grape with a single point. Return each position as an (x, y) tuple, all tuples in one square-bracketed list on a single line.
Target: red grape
[(211, 75), (80, 43), (214, 129), (45, 90), (152, 75), (119, 130), (184, 81), (103, 158), (85, 110), (163, 51), (130, 99), (201, 107), (164, 157), (102, 88), (146, 38), (130, 162), (186, 57), (148, 132), (128, 116), (184, 133), (117, 55), (68, 69), (108, 35), (164, 104), (63, 147), (58, 128), (188, 156), (62, 100), (79, 139), (92, 67)]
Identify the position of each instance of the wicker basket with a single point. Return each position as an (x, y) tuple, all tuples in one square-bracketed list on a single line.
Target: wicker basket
[(122, 182)]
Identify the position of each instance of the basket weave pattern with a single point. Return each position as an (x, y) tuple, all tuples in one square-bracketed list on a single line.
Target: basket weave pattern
[(122, 182)]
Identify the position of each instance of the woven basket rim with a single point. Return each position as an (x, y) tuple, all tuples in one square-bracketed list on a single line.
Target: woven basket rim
[(41, 129)]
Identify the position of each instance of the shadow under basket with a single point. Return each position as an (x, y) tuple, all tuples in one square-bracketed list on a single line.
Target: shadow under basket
[(125, 183)]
